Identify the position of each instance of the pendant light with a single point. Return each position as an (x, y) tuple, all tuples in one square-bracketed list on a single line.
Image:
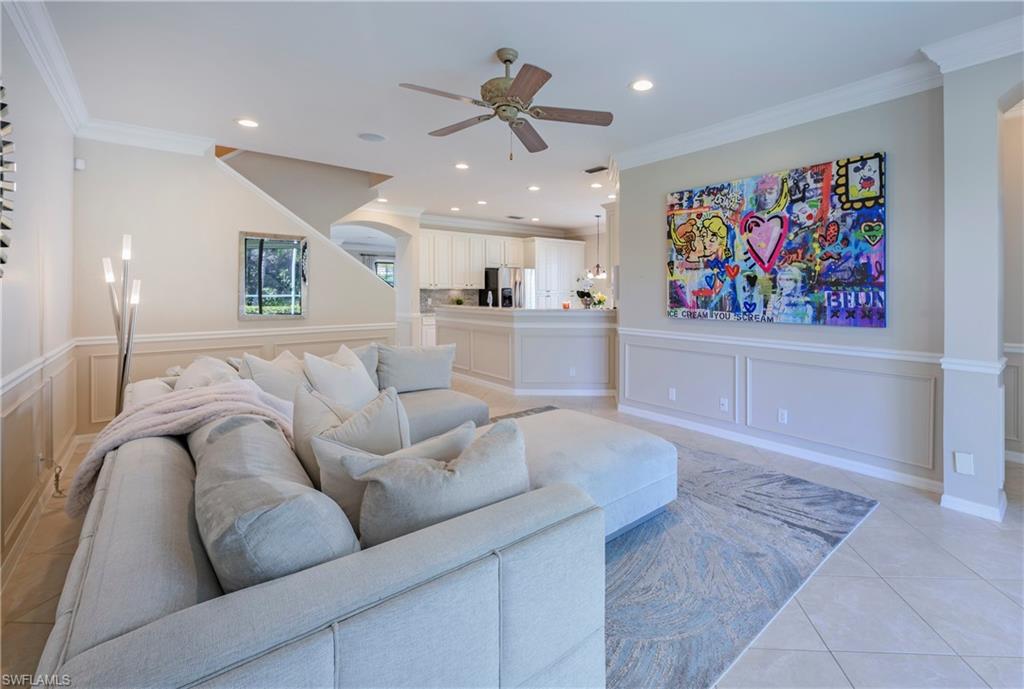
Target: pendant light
[(597, 271)]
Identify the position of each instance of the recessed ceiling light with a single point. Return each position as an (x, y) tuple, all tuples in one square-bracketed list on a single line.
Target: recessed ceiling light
[(533, 187), (245, 122), (481, 203), (461, 166), (382, 200), (642, 85), (455, 208), (611, 196), (372, 137), (534, 219), (595, 185)]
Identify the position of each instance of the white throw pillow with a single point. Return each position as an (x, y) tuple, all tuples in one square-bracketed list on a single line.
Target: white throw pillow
[(279, 377), (312, 415), (204, 371), (336, 481), (368, 355), (408, 494), (344, 381), (381, 427)]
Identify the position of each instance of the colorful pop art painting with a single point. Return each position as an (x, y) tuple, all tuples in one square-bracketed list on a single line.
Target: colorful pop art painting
[(805, 245)]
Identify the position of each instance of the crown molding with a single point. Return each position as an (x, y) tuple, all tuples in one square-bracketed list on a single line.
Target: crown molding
[(388, 209), (33, 24), (450, 222), (144, 137), (897, 83), (976, 47)]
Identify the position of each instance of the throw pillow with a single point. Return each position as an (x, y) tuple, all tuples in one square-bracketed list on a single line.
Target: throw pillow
[(348, 492), (368, 355), (407, 494), (346, 384), (279, 377), (312, 415), (415, 368), (379, 428), (203, 371), (258, 516)]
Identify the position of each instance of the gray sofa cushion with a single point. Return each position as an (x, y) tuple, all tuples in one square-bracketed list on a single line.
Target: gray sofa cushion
[(312, 415), (348, 492), (258, 514), (407, 494), (407, 369), (432, 412), (342, 379), (140, 557), (368, 355), (380, 427), (204, 371)]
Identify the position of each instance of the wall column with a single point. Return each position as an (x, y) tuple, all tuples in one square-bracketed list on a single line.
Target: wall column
[(407, 289), (973, 363)]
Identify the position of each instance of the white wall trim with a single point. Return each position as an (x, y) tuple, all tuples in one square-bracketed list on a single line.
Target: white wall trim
[(794, 346), (248, 333), (789, 449), (1013, 347), (1015, 457), (434, 221), (32, 22), (388, 208), (993, 513), (533, 392), (26, 371), (144, 137), (897, 83), (992, 368), (976, 47)]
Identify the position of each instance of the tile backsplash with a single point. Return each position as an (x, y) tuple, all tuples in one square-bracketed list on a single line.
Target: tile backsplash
[(470, 297)]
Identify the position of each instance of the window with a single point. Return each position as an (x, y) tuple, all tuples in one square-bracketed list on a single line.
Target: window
[(385, 271), (272, 281)]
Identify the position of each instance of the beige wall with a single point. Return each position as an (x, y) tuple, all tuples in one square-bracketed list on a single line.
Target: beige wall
[(37, 397), (832, 381), (184, 214), (1012, 182)]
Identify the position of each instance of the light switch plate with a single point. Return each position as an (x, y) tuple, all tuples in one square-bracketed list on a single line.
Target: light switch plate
[(963, 463), (783, 416)]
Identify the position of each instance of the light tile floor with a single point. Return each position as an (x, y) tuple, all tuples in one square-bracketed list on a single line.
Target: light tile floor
[(918, 597)]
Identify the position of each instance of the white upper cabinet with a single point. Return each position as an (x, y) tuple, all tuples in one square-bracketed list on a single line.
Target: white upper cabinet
[(435, 260), (513, 252), (495, 250)]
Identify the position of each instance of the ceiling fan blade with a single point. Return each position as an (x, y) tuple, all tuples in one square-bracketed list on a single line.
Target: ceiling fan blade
[(595, 117), (528, 135), (459, 126), (528, 81), (446, 94)]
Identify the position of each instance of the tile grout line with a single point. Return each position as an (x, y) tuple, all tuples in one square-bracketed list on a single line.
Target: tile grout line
[(816, 631)]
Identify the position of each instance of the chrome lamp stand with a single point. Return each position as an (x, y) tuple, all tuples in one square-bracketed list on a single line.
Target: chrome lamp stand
[(124, 308)]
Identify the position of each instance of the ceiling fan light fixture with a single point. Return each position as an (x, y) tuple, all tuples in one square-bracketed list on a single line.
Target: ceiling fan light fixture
[(642, 85), (461, 166), (247, 122)]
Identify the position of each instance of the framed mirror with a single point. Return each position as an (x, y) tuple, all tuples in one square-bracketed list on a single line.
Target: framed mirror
[(272, 276)]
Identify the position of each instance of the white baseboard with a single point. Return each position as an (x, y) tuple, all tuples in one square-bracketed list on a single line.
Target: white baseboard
[(993, 513), (41, 494), (1015, 457), (534, 392), (789, 449)]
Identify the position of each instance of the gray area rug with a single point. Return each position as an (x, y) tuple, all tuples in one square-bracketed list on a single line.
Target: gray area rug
[(690, 589), (525, 412)]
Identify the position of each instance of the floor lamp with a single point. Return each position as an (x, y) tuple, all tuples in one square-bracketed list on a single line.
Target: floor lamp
[(124, 308)]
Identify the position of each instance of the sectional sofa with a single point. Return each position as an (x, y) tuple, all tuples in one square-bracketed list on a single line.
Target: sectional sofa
[(511, 594)]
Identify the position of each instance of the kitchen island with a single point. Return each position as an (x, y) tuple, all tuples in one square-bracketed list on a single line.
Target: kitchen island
[(533, 351)]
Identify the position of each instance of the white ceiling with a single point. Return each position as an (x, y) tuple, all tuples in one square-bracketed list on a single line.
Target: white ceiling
[(346, 234), (314, 75)]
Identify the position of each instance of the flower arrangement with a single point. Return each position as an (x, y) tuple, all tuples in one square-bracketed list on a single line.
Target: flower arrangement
[(599, 299)]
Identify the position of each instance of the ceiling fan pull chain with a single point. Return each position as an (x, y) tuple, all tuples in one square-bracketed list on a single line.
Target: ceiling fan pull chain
[(510, 143)]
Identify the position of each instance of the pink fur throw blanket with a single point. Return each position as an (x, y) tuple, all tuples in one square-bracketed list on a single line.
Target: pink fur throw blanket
[(176, 413)]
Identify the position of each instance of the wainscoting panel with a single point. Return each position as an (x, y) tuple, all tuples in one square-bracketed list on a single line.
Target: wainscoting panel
[(700, 380), (567, 359), (882, 414), (463, 349), (879, 413), (1013, 380), (155, 354), (491, 354)]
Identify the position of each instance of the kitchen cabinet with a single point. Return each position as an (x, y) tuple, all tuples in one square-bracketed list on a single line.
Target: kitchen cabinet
[(428, 331), (467, 261), (495, 251), (435, 260), (513, 249), (557, 264)]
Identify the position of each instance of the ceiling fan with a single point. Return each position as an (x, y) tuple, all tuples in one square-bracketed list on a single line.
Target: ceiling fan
[(508, 98)]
